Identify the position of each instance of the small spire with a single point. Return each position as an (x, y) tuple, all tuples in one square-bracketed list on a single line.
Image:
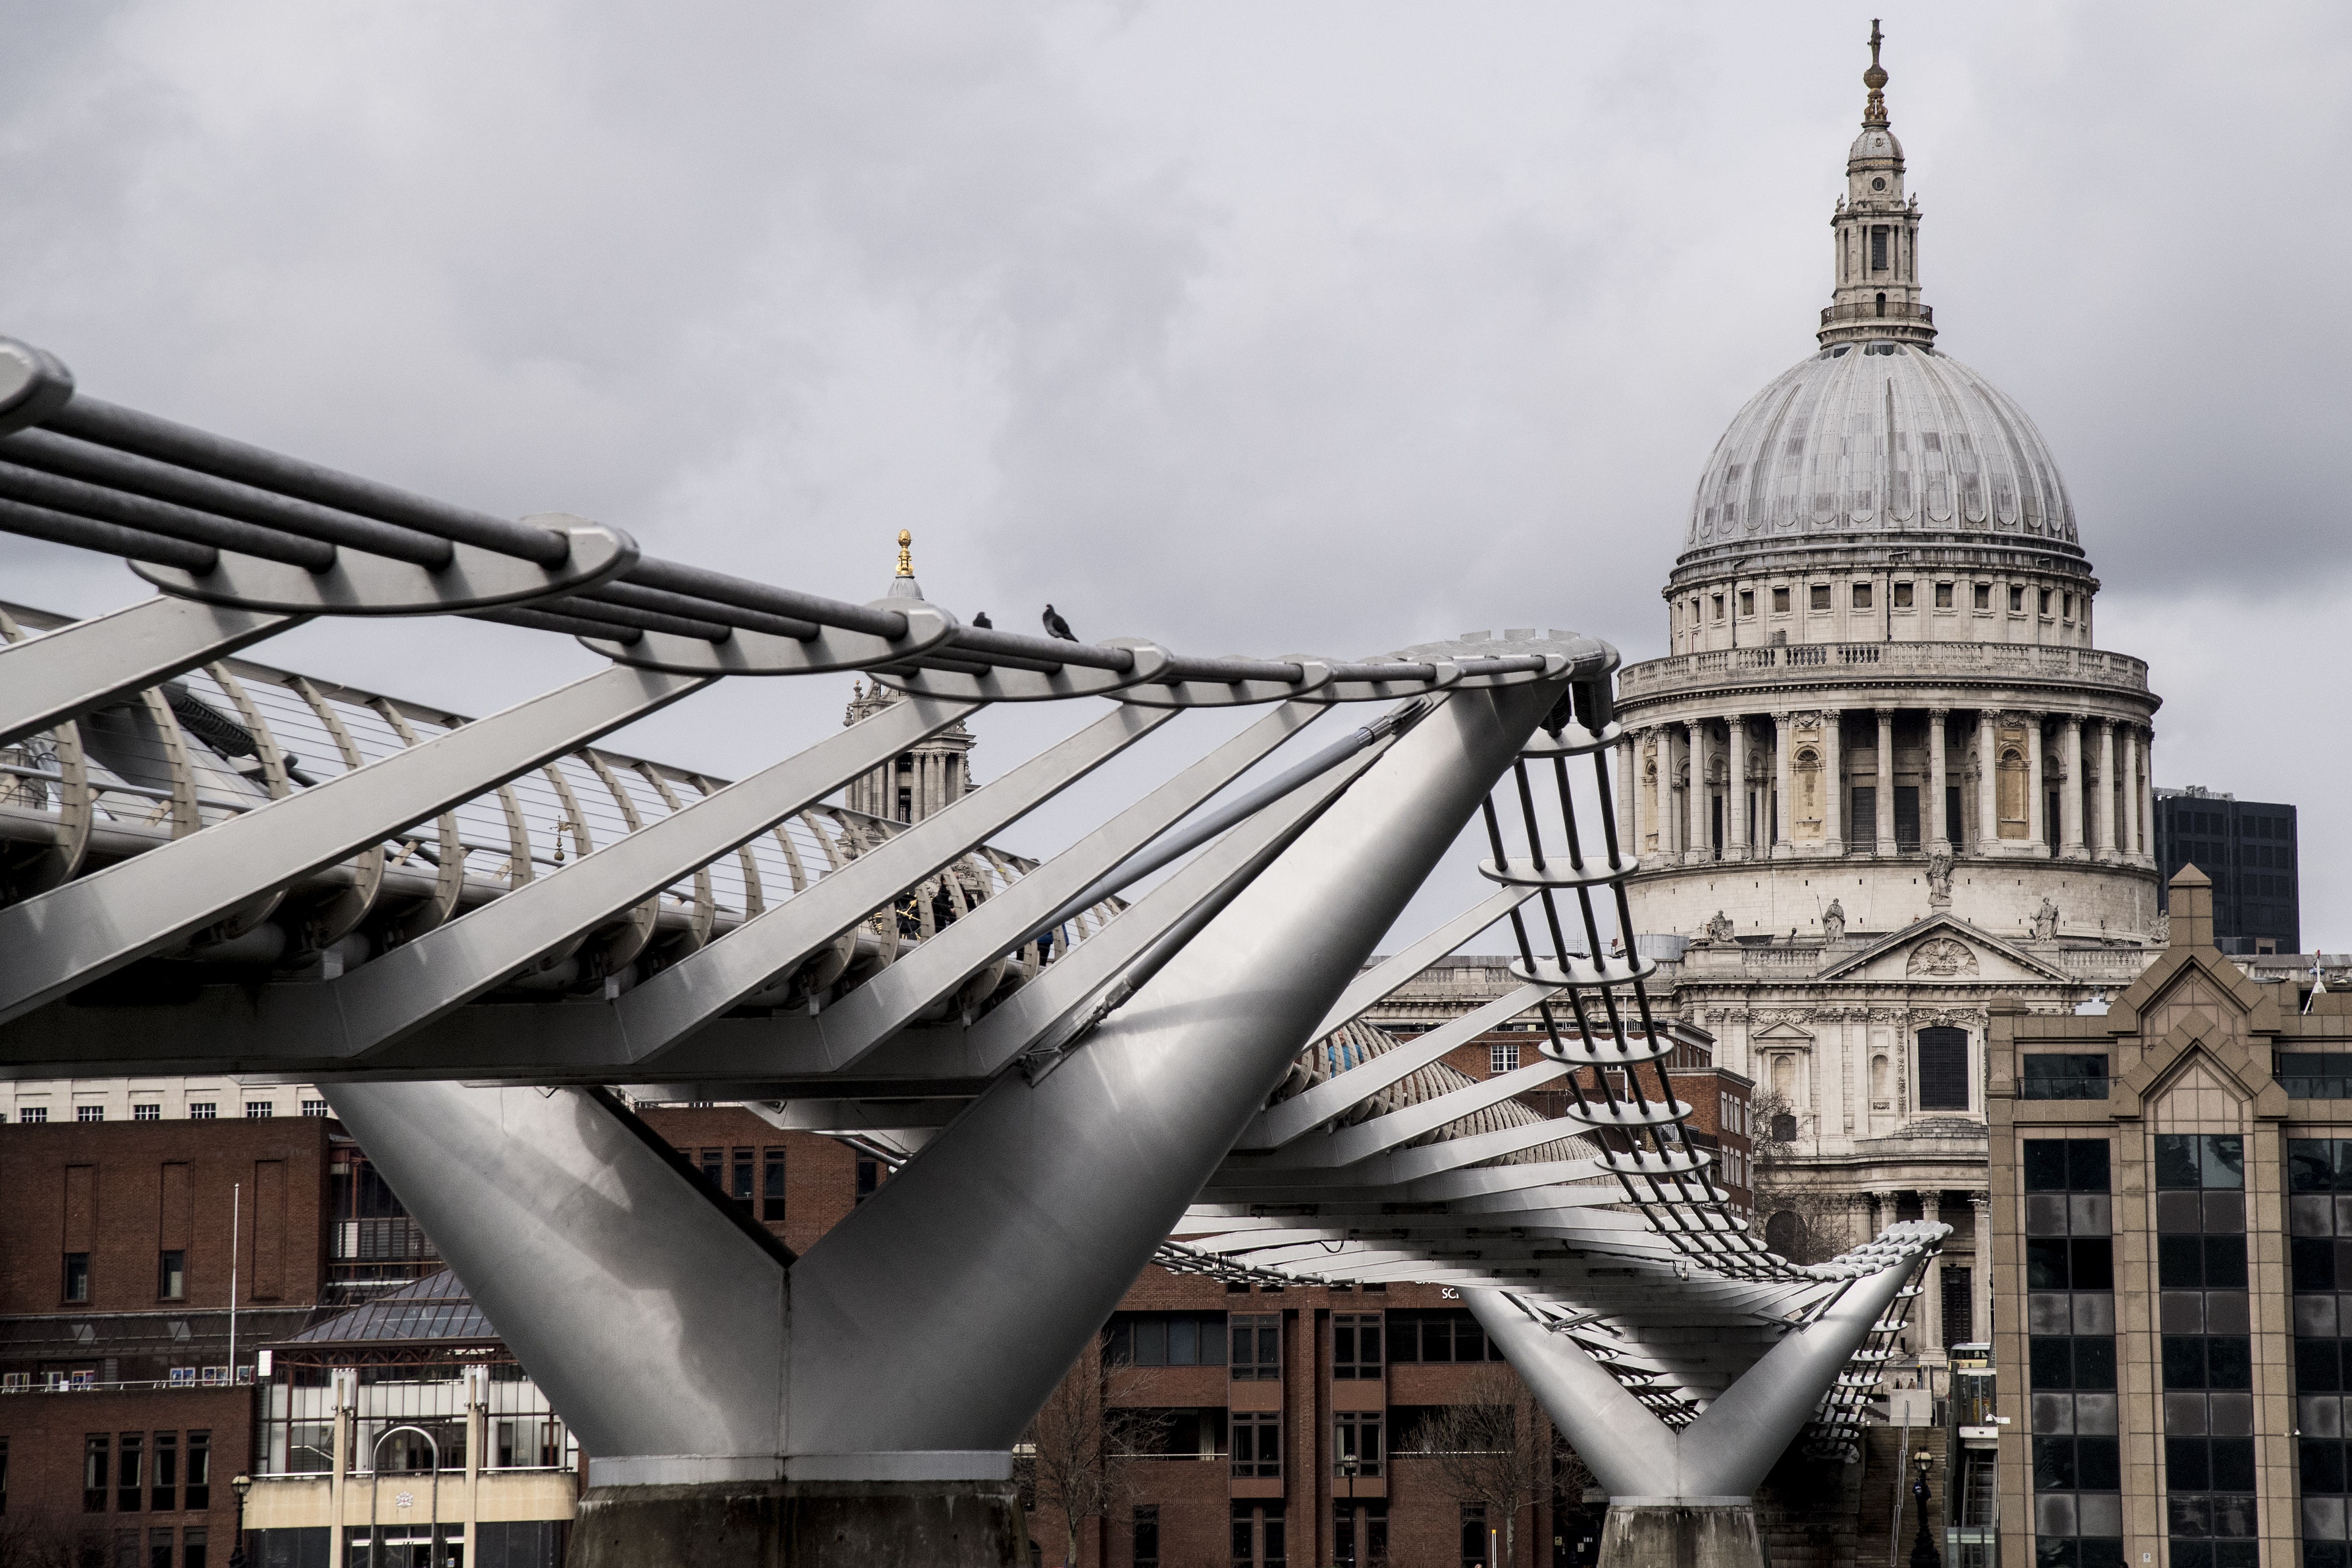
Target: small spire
[(906, 553), (1874, 114)]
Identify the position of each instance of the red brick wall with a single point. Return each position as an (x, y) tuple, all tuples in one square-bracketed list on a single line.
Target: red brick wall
[(123, 1191), (820, 1173), (44, 1435)]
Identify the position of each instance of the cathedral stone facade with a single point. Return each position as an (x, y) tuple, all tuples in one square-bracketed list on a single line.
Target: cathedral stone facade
[(1885, 786)]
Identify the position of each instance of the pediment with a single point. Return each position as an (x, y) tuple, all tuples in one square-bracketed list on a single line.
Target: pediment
[(1944, 950), (1783, 1034)]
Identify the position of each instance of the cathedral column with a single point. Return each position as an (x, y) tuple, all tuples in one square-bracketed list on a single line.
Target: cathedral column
[(1629, 827), (1782, 809), (1980, 1270), (1735, 793), (1988, 804), (1833, 782), (1662, 803), (2103, 790), (1701, 843), (2128, 742), (1885, 824), (1931, 1294), (2148, 795), (2036, 830), (2070, 797), (1939, 830)]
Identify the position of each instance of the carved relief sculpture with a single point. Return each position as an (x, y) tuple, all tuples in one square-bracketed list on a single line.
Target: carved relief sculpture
[(1943, 958)]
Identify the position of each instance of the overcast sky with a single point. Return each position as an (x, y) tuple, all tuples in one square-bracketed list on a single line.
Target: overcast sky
[(1248, 327)]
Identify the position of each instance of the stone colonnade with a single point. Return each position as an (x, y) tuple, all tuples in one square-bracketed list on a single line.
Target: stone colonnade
[(2101, 768)]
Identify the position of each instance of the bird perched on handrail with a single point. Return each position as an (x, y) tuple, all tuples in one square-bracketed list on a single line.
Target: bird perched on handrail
[(982, 622), (1056, 626)]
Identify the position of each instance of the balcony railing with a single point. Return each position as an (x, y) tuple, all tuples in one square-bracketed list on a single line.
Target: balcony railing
[(1871, 310), (2023, 661)]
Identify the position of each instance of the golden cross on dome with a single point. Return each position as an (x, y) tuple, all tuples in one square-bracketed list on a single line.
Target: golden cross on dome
[(1874, 114), (905, 554)]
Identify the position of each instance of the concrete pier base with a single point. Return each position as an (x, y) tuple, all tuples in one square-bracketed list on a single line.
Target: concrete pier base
[(802, 1524), (1682, 1535)]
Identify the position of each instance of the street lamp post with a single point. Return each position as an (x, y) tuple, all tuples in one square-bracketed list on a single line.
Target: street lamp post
[(240, 1485), (1348, 1468), (1923, 1546)]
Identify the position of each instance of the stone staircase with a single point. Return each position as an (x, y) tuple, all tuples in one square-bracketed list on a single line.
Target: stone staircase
[(1882, 1537)]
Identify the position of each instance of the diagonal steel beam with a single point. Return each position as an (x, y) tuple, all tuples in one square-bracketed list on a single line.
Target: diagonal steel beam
[(70, 936), (410, 986), (1368, 988), (1303, 1112), (45, 680), (890, 1002)]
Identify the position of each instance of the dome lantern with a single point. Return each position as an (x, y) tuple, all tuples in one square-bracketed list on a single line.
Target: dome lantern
[(1876, 231)]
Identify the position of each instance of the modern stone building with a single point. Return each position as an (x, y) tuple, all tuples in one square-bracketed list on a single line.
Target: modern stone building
[(2172, 1224), (1886, 784)]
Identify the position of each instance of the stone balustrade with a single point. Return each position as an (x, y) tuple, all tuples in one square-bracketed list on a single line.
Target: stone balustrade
[(1802, 664)]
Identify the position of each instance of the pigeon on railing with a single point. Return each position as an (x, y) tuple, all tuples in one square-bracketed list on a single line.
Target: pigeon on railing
[(1056, 626)]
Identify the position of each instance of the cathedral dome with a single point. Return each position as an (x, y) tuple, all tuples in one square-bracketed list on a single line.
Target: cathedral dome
[(1878, 438)]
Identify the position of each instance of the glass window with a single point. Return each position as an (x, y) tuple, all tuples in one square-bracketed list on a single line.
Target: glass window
[(149, 1112), (1820, 598), (1256, 1440), (260, 1109), (192, 1546), (1356, 1345), (2016, 599), (1903, 595), (129, 1463), (1943, 595), (1718, 607), (2051, 1074), (1984, 596), (869, 1178), (172, 1284), (1256, 1340), (32, 1115), (1747, 602), (90, 1113), (1145, 1535), (1779, 601), (314, 1108), (2042, 603), (76, 1276), (165, 1482), (1502, 1058), (739, 1185), (1861, 595), (1356, 1434), (1943, 1068), (97, 1452), (201, 1111), (199, 1493), (159, 1549), (771, 1185)]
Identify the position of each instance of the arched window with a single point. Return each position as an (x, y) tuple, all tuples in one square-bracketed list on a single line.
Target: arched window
[(1943, 1077), (1805, 782), (1784, 1233), (1882, 304), (1784, 1080)]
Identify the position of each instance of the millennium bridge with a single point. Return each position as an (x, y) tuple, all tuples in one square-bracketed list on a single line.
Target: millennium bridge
[(481, 935)]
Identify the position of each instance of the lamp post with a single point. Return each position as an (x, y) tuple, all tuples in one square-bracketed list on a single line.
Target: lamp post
[(1348, 1468), (241, 1485), (1923, 1546)]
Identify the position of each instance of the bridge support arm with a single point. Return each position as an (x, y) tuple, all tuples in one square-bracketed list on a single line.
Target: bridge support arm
[(1688, 1496), (45, 680)]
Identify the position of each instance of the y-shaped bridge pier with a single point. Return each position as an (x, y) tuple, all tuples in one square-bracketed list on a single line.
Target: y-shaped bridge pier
[(1084, 1082)]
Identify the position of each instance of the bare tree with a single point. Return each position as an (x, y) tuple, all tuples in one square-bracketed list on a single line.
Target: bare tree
[(1802, 1222), (30, 1541), (1487, 1451), (1074, 1458)]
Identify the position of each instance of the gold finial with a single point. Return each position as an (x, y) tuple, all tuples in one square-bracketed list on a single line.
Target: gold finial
[(905, 554), (1874, 114)]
